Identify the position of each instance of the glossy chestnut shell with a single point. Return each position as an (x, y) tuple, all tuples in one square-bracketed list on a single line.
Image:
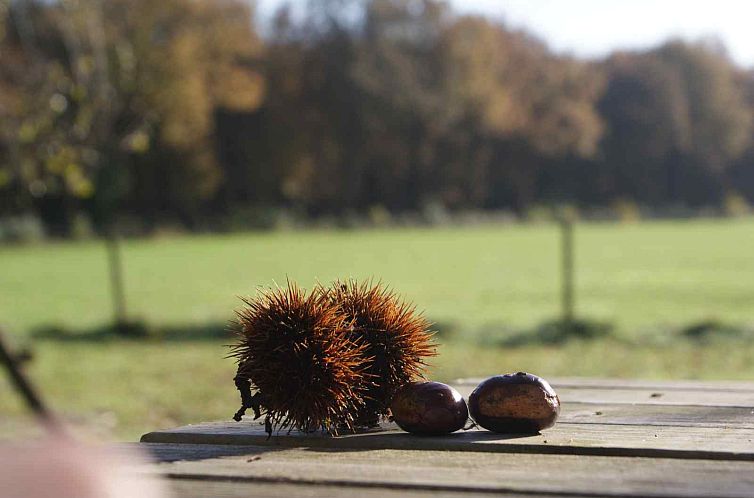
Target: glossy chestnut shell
[(514, 403), (429, 409)]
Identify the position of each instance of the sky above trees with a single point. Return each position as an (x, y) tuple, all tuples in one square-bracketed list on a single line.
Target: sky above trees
[(593, 28)]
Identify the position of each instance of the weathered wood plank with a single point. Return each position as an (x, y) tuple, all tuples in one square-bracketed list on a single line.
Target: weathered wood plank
[(658, 415), (646, 396), (589, 382), (469, 472), (571, 439), (663, 439)]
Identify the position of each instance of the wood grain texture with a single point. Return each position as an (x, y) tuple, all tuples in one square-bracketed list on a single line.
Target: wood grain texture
[(657, 415), (460, 472), (571, 439)]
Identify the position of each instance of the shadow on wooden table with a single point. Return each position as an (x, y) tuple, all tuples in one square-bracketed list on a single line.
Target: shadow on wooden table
[(386, 439), (164, 453)]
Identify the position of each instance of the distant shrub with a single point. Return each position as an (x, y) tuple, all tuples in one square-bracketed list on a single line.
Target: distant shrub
[(714, 330), (81, 227), (134, 226), (379, 216), (736, 205), (544, 213), (559, 332), (626, 211), (540, 214), (434, 212), (255, 218), (568, 212), (352, 220), (21, 229)]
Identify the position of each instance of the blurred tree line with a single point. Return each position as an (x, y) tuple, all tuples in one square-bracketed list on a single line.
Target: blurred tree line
[(179, 110)]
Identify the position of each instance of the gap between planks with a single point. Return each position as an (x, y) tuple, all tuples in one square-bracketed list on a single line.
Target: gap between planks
[(203, 487)]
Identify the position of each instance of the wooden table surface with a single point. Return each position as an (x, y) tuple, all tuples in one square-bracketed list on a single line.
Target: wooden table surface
[(614, 438)]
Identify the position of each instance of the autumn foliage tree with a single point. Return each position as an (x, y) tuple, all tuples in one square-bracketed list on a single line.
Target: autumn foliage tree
[(414, 105), (178, 110), (678, 120), (113, 101)]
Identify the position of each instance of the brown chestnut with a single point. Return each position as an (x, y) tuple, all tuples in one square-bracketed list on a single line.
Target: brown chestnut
[(514, 403), (429, 409)]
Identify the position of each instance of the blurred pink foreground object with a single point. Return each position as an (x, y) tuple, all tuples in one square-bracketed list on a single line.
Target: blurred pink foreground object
[(66, 469)]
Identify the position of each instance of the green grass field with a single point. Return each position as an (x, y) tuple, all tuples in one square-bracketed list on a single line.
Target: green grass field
[(479, 284)]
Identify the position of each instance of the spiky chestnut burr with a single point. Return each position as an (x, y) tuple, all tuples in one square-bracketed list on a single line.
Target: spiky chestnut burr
[(397, 341), (295, 351)]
